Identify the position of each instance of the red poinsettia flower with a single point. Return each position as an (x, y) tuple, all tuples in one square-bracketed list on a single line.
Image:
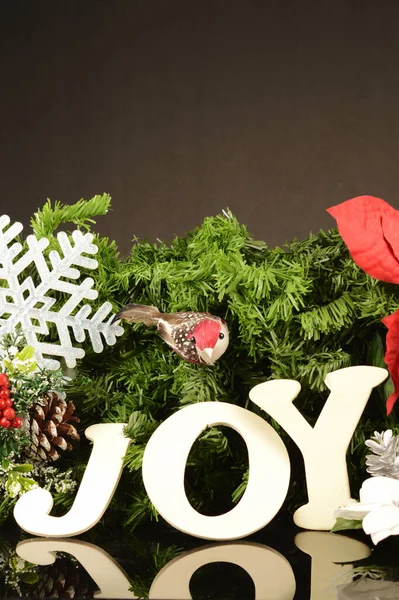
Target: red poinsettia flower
[(391, 357), (370, 228)]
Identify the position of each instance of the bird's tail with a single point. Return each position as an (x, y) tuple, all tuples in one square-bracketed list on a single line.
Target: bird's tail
[(139, 313)]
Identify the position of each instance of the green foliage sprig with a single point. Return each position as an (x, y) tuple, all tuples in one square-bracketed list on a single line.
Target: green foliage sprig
[(47, 219)]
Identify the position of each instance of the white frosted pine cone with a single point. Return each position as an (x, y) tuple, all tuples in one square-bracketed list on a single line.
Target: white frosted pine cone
[(385, 458)]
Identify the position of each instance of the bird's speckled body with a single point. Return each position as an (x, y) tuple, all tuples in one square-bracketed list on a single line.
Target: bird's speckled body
[(199, 338)]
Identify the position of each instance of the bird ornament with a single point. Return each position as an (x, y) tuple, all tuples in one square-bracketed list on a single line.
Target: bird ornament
[(197, 337)]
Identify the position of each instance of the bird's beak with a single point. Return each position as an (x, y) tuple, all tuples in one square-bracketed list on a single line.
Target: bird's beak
[(206, 356)]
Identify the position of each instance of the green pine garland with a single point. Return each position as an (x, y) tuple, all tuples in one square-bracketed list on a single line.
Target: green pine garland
[(297, 312)]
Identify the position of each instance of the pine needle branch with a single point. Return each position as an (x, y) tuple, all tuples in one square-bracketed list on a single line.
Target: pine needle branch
[(47, 219)]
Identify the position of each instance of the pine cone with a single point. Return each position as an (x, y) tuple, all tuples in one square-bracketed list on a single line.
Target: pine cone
[(50, 428), (385, 460), (63, 579)]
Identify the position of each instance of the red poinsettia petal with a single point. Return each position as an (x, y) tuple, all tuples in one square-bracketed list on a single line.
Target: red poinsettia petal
[(359, 222), (391, 357), (390, 230)]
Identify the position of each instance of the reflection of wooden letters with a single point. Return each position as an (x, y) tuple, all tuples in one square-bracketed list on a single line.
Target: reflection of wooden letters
[(330, 554), (104, 570), (323, 447), (269, 570)]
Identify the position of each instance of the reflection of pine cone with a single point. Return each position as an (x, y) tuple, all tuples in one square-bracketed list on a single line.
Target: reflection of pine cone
[(50, 429), (63, 579)]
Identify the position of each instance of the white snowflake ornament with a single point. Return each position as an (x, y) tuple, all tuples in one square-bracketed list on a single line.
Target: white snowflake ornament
[(22, 303)]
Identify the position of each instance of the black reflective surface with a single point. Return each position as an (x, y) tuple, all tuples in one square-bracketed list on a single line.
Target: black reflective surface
[(281, 562)]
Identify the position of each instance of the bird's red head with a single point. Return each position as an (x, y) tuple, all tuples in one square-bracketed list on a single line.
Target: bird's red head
[(206, 334), (211, 339)]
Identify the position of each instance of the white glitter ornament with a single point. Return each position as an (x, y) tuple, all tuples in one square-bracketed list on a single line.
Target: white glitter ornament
[(22, 303)]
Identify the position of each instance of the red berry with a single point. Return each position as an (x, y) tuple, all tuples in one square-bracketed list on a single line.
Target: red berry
[(4, 393), (3, 404), (17, 423), (9, 413), (4, 381), (9, 402), (5, 423)]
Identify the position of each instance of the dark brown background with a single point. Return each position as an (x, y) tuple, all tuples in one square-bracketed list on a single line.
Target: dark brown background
[(179, 108)]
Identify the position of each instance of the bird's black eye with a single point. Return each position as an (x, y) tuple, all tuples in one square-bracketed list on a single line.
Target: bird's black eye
[(193, 340), (221, 336)]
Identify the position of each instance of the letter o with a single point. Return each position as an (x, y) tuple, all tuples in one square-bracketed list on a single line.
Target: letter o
[(164, 464)]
